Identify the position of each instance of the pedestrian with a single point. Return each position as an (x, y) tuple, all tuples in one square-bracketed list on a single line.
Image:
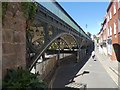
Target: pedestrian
[(93, 54)]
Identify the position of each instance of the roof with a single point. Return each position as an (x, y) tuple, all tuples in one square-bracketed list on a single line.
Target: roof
[(109, 5), (104, 21)]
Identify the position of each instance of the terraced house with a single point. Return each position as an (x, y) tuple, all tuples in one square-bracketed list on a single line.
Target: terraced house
[(119, 29), (109, 34)]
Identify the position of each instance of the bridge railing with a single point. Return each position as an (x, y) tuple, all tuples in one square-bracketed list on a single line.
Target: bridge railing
[(56, 9)]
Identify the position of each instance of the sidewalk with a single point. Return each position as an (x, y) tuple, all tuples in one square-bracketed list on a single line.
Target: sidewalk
[(110, 66), (89, 72)]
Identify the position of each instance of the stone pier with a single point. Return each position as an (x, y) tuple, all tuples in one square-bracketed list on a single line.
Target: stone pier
[(13, 38)]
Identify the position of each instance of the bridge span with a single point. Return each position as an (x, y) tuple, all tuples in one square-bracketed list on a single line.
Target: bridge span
[(51, 29), (52, 23)]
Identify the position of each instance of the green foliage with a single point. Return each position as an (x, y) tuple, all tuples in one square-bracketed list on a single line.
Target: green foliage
[(22, 80), (54, 46), (29, 9), (4, 9)]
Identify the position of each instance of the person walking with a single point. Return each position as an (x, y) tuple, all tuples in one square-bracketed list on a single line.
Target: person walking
[(93, 54)]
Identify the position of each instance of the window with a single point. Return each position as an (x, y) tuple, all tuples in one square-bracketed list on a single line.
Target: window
[(110, 30), (114, 8), (119, 4), (108, 18), (114, 28), (104, 43), (110, 15), (109, 41)]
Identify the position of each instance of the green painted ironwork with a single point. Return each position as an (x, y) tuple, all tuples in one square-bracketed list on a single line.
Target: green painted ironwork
[(58, 12), (55, 9)]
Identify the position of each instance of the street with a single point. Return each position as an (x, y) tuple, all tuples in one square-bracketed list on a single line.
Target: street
[(90, 72), (60, 44)]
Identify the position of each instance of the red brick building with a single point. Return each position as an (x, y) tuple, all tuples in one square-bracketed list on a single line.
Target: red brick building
[(111, 27), (119, 29), (119, 21)]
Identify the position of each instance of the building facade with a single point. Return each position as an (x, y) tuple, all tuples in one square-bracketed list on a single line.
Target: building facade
[(110, 32), (119, 21)]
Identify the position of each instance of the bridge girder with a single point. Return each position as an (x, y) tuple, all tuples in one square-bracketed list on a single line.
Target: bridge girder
[(44, 46), (45, 29)]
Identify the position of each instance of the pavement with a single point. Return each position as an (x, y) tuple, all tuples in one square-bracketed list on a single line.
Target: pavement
[(112, 67), (90, 73)]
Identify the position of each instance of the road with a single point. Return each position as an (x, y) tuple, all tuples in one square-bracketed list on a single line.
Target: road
[(94, 76)]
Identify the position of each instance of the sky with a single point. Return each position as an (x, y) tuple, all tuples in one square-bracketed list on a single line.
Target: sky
[(87, 13)]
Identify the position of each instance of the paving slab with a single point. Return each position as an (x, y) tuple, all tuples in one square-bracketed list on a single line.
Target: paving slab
[(90, 72)]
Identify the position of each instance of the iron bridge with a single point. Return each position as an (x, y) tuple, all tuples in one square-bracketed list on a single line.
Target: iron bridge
[(53, 28)]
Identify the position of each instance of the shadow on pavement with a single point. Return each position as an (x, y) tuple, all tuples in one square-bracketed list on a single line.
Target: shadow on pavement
[(85, 72), (67, 72)]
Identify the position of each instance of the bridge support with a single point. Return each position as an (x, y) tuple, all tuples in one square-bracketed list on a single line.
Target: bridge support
[(13, 39), (78, 55), (58, 56)]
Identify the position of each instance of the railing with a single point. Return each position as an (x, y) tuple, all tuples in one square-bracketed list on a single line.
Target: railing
[(52, 6), (56, 9)]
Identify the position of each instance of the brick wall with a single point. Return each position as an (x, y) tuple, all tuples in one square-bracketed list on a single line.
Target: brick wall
[(111, 23), (14, 39), (119, 24)]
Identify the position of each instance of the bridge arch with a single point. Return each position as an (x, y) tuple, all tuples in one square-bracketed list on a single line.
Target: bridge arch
[(46, 45)]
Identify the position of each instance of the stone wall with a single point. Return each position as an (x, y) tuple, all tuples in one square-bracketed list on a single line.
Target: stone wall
[(46, 67), (0, 47), (13, 38)]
